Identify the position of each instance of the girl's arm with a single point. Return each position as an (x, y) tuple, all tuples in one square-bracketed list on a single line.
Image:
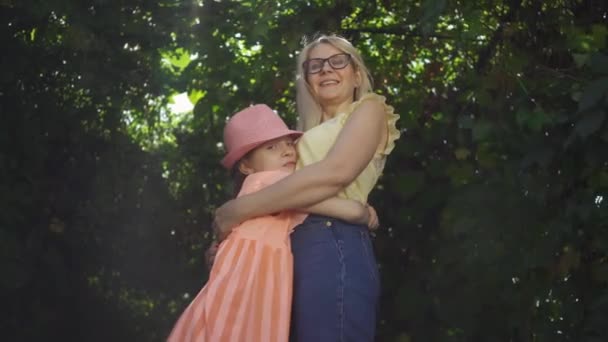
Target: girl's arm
[(353, 150), (347, 210), (340, 208), (343, 209)]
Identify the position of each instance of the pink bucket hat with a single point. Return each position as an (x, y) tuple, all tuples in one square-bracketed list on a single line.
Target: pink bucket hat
[(250, 128)]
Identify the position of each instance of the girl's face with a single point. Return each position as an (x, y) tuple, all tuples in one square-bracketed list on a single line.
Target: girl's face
[(329, 85), (275, 154)]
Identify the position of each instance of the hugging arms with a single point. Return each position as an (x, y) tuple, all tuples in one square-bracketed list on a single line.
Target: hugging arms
[(363, 135)]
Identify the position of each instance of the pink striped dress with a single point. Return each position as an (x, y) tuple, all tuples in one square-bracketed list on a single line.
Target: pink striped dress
[(248, 295)]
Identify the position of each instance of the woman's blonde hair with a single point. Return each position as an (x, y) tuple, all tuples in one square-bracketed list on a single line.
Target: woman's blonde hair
[(309, 109)]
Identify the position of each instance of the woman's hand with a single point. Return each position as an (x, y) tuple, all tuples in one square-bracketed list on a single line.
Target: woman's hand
[(225, 219), (373, 222)]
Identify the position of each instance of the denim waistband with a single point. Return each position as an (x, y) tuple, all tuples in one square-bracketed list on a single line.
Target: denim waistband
[(327, 221)]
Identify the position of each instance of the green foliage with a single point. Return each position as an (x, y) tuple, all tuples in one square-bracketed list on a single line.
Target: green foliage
[(493, 203)]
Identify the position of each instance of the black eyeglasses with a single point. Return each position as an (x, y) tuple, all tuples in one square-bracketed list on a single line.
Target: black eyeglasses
[(337, 61)]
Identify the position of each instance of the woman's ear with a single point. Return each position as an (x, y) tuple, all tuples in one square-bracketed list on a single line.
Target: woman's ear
[(244, 167)]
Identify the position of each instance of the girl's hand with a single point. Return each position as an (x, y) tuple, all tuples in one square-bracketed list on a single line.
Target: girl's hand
[(225, 219), (373, 222)]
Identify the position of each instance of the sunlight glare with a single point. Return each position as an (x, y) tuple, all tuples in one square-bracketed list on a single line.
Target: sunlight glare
[(181, 104)]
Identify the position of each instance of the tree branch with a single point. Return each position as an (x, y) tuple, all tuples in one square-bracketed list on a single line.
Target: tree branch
[(488, 51), (395, 30)]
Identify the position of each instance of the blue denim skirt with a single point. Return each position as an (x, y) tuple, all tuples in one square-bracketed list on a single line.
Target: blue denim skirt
[(336, 282)]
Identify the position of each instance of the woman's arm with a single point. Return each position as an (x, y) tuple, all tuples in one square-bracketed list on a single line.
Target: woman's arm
[(340, 208), (352, 152)]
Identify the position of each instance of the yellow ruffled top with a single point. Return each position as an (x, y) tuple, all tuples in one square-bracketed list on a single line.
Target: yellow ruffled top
[(314, 145)]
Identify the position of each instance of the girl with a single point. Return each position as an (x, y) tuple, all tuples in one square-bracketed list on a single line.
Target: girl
[(249, 292)]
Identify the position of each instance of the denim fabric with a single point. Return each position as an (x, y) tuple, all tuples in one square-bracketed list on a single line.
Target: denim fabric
[(336, 283)]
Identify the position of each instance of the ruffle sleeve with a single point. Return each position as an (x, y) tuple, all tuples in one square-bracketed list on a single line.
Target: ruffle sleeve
[(391, 118)]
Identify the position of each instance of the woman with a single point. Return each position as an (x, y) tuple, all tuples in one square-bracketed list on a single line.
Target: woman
[(349, 132)]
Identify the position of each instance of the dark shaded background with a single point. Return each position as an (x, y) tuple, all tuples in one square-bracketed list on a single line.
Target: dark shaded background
[(493, 204)]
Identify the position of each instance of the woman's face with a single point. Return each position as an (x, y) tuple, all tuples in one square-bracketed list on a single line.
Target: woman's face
[(332, 86)]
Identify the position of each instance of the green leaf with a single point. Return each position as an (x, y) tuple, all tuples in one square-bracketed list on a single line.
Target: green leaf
[(580, 59), (178, 59), (196, 95)]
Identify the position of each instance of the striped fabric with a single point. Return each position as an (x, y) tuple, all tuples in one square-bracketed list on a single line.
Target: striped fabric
[(248, 295)]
